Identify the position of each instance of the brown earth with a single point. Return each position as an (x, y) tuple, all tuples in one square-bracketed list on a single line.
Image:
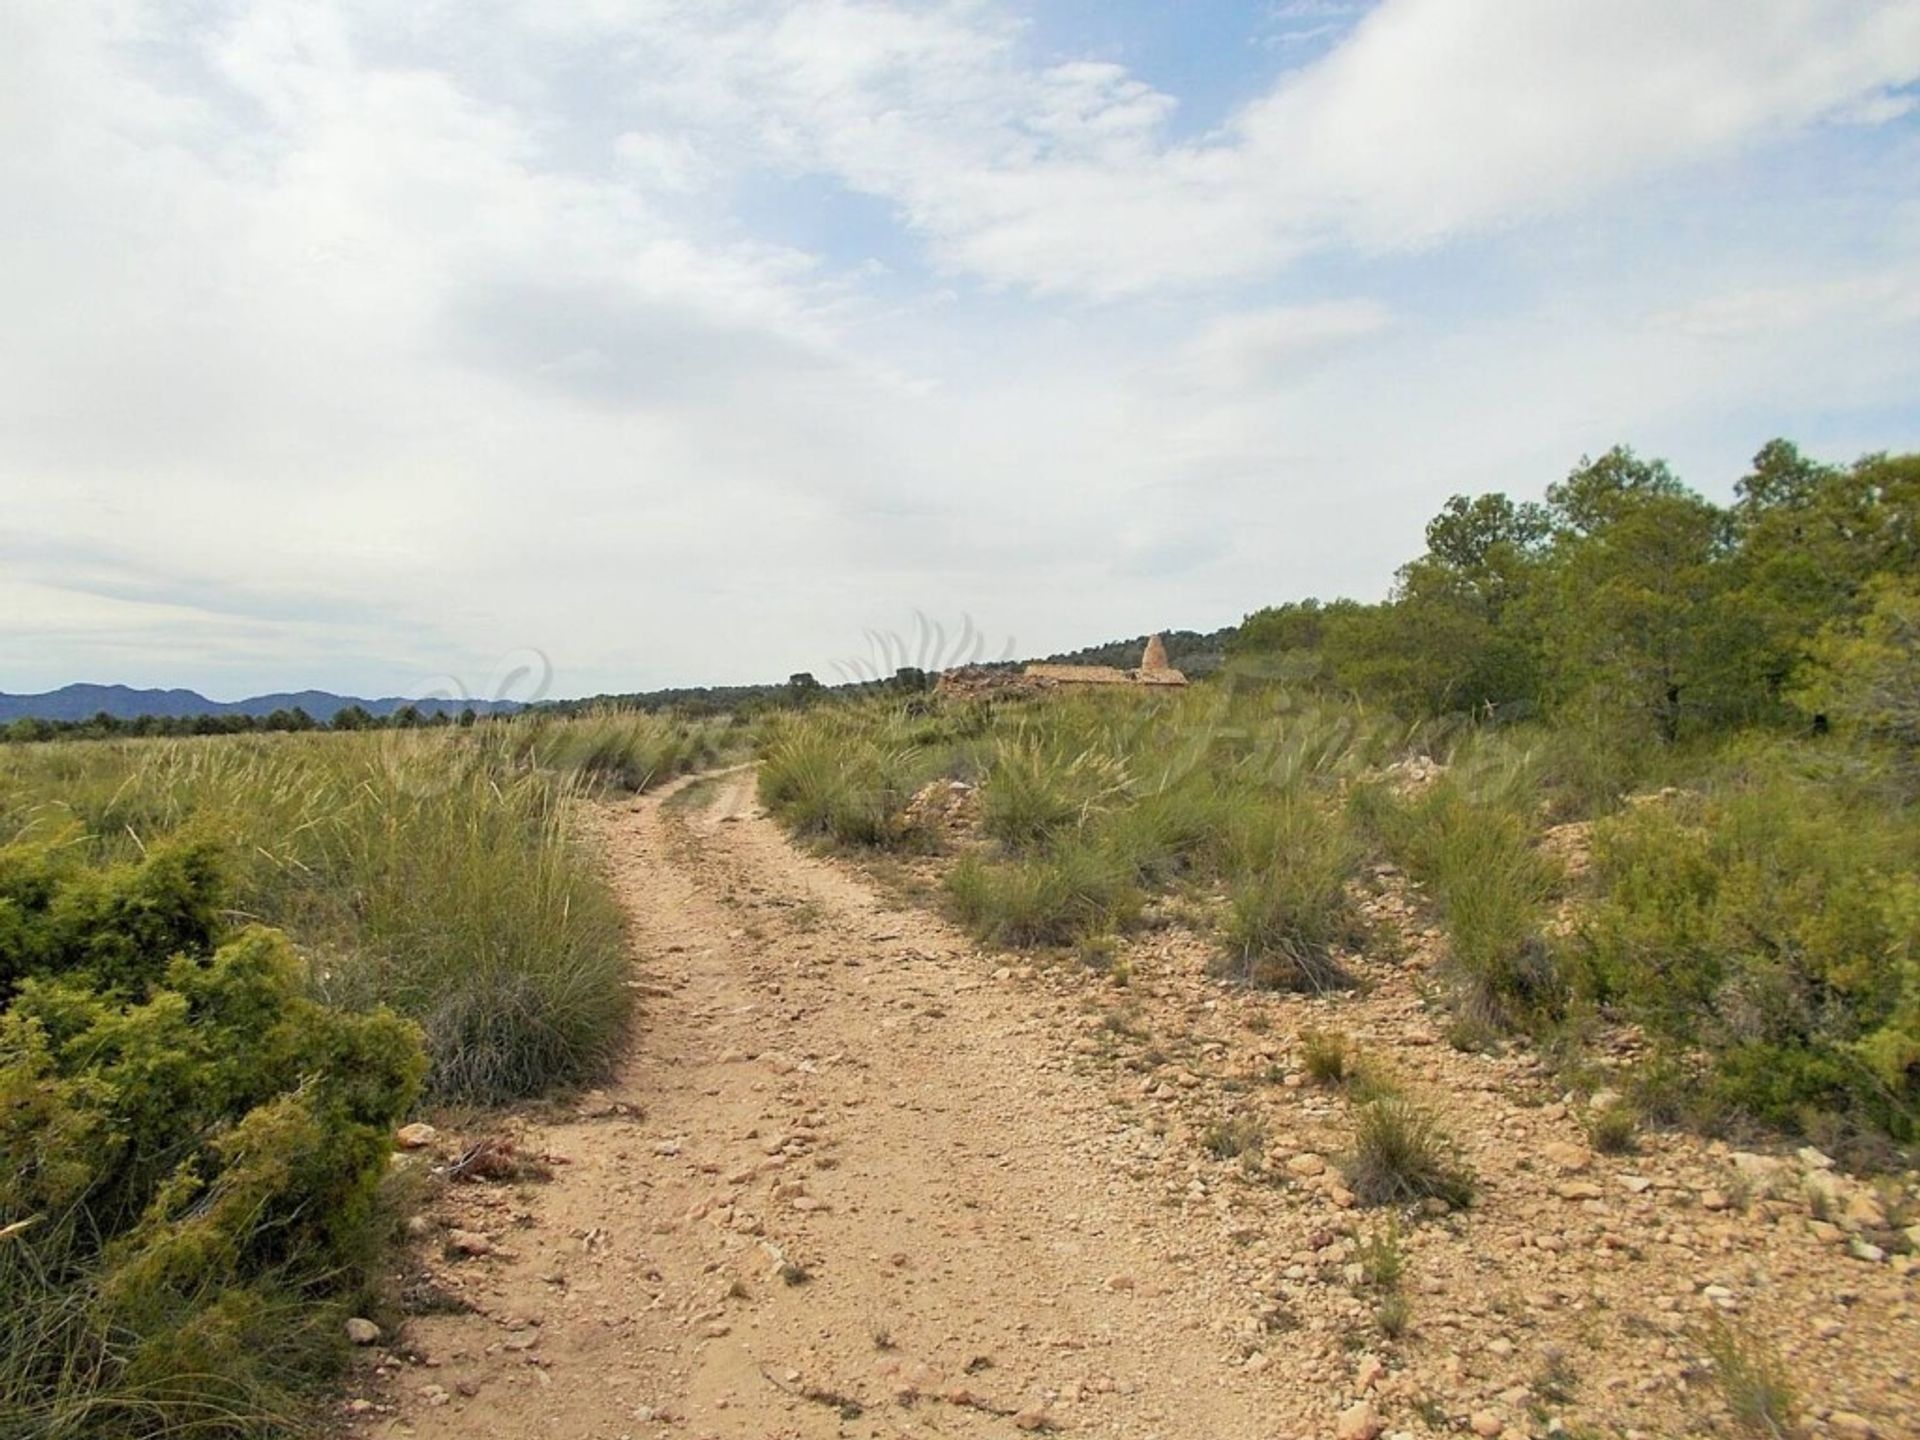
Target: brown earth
[(859, 1179)]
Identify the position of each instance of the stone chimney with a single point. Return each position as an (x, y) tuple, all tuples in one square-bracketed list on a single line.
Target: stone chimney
[(1155, 657)]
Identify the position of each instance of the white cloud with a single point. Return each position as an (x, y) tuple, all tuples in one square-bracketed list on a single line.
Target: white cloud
[(348, 341), (1431, 119)]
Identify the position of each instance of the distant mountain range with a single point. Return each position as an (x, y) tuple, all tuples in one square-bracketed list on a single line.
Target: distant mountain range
[(83, 702)]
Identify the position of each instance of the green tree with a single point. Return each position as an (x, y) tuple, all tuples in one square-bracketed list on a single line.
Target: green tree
[(1633, 582), (1865, 673)]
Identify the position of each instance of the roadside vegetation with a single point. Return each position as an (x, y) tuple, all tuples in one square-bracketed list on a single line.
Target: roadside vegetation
[(1644, 759), (228, 968)]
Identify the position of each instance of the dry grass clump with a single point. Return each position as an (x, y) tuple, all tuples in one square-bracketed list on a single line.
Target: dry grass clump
[(1612, 1130), (1753, 1382), (632, 750), (1289, 909), (1400, 1154), (853, 789), (1326, 1056), (1235, 1136)]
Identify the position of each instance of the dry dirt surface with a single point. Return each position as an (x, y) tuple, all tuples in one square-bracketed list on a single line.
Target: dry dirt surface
[(858, 1178)]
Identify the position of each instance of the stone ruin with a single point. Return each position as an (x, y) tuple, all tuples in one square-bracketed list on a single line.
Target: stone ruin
[(1041, 678)]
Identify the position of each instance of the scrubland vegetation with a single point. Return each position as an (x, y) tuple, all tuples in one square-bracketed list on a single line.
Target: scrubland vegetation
[(1649, 761), (228, 968)]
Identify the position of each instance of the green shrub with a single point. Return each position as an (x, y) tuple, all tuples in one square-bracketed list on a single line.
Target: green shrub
[(1383, 1259), (114, 927), (1769, 923), (1612, 1130), (191, 1163)]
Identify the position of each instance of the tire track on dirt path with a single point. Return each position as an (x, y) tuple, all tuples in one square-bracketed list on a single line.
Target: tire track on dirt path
[(845, 1184)]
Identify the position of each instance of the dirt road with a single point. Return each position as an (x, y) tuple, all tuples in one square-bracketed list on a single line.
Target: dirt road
[(860, 1193), (859, 1179)]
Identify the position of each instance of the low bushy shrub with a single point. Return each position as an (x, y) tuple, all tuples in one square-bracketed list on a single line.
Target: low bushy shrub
[(190, 1148), (1770, 923)]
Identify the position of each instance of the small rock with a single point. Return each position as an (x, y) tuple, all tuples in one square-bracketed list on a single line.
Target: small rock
[(1576, 1159), (1865, 1211), (1713, 1200), (1486, 1424), (1119, 1282), (1761, 1169), (1034, 1417), (434, 1395), (1359, 1421), (362, 1331), (1305, 1166), (415, 1136), (469, 1242), (1850, 1425)]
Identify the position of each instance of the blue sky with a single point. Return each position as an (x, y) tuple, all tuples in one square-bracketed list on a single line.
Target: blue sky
[(686, 341)]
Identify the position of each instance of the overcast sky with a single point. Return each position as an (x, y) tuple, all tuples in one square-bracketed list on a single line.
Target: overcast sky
[(349, 343)]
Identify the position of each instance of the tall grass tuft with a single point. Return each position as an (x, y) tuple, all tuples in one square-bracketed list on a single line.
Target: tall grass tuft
[(834, 781), (428, 870), (1470, 843), (1754, 1383), (1290, 910), (1401, 1154), (1075, 892), (631, 750), (1035, 794)]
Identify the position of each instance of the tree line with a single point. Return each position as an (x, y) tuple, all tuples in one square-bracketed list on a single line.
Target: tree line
[(1626, 600), (105, 726)]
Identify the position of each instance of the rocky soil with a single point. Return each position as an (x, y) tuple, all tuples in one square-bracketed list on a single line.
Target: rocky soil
[(858, 1178)]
